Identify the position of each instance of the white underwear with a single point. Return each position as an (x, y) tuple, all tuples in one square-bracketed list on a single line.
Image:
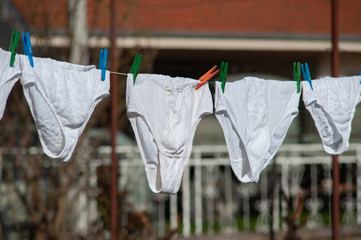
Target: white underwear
[(8, 77), (61, 97), (255, 115), (332, 105), (164, 113)]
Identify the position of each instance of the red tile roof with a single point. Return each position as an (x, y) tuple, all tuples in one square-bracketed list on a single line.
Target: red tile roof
[(203, 17)]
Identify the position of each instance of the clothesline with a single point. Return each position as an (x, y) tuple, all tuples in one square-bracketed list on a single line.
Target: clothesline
[(126, 74), (118, 73), (137, 61), (255, 114)]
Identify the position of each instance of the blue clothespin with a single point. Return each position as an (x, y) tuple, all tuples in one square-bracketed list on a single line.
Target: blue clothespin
[(306, 74), (135, 66), (27, 47), (103, 62)]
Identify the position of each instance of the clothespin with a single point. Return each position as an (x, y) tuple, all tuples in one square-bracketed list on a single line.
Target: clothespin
[(103, 62), (297, 75), (223, 74), (13, 46), (135, 66), (207, 76), (306, 74), (27, 47)]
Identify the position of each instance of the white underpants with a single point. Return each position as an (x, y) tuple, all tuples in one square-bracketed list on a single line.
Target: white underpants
[(164, 113), (8, 77), (332, 105), (255, 115), (61, 97)]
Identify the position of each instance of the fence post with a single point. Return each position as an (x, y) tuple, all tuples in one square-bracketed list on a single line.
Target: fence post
[(358, 186), (198, 193), (173, 212), (186, 204)]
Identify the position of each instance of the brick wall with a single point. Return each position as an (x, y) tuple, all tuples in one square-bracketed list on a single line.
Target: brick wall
[(198, 16)]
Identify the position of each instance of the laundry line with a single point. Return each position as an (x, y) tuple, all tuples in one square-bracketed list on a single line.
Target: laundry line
[(126, 74), (118, 73), (251, 97), (138, 58)]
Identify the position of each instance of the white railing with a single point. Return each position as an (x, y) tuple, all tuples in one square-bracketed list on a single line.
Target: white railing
[(211, 200)]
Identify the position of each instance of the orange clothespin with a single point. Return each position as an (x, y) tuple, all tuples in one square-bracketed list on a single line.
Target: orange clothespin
[(207, 76)]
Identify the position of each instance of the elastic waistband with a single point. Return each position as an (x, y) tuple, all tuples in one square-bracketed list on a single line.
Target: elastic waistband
[(167, 82)]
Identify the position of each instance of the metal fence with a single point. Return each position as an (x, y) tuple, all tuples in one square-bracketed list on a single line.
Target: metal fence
[(212, 201)]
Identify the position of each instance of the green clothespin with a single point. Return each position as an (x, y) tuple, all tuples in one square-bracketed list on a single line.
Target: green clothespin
[(297, 75), (223, 74), (135, 66), (13, 46)]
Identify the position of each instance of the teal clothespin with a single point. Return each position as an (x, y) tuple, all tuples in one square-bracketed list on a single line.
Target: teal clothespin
[(103, 62), (135, 66), (27, 47), (297, 75), (223, 74), (306, 74), (13, 46)]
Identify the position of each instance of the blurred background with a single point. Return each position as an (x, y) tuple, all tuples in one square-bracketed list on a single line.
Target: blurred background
[(44, 199)]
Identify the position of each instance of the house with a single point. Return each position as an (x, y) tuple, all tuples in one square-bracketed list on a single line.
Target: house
[(186, 38)]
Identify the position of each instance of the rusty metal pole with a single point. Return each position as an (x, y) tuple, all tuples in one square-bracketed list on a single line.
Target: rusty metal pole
[(335, 159), (334, 25), (335, 198), (114, 127)]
